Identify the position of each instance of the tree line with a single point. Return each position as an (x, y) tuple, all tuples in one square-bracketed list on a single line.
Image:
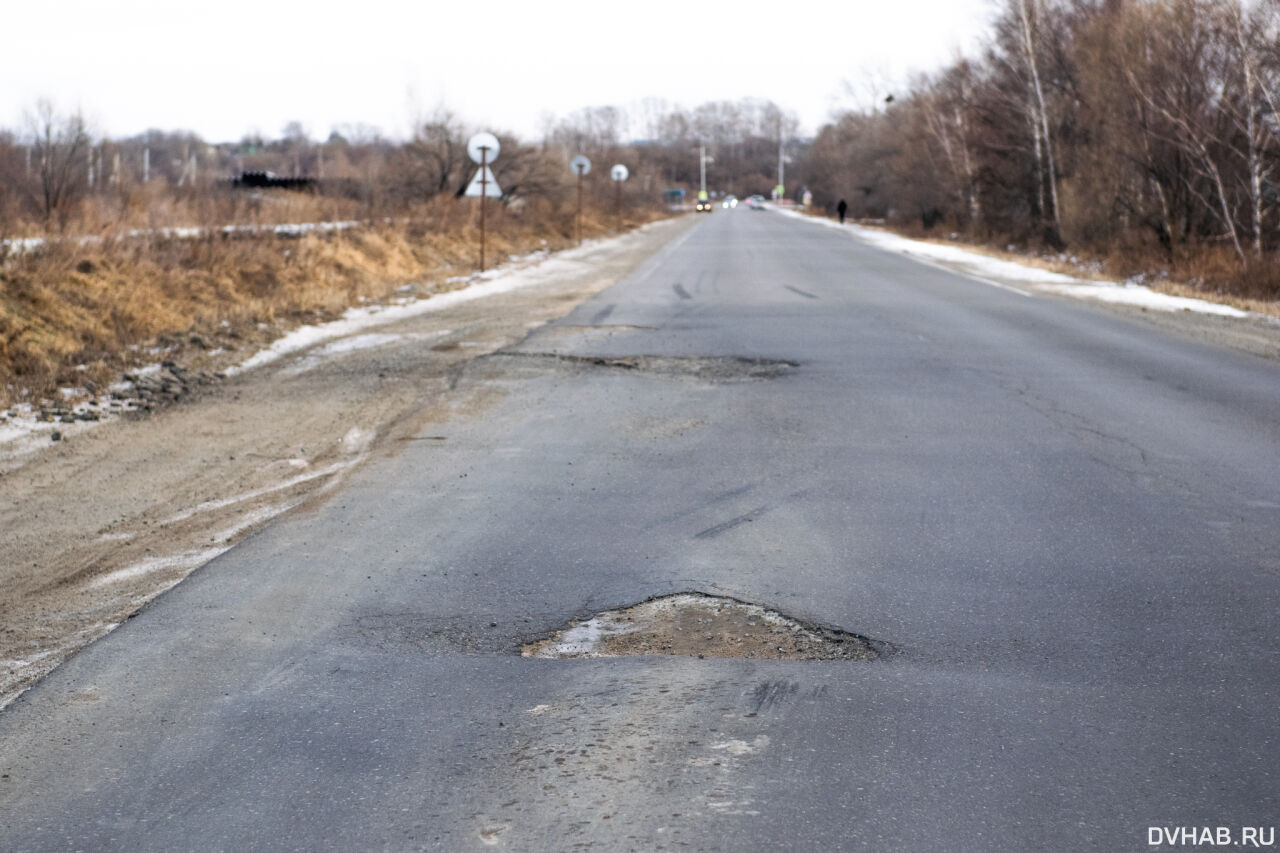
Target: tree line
[(1146, 132), (1139, 129), (57, 175)]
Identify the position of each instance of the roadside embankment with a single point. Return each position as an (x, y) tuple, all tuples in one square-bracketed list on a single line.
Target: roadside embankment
[(76, 314)]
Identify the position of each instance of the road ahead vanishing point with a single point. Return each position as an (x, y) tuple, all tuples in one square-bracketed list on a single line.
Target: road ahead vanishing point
[(1054, 527)]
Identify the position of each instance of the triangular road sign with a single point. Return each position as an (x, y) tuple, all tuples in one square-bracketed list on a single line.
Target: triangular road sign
[(490, 188)]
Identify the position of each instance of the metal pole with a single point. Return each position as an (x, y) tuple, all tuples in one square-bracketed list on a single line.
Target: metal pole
[(702, 168), (579, 228), (484, 194), (617, 199), (781, 164)]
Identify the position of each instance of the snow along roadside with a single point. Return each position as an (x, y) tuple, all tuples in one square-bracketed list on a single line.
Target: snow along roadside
[(23, 245), (981, 267), (539, 267), (22, 432)]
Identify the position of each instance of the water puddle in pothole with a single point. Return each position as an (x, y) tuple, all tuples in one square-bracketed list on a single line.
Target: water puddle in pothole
[(698, 625)]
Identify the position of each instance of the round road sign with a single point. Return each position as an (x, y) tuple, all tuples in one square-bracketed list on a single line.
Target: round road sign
[(480, 141), (580, 165), (619, 172)]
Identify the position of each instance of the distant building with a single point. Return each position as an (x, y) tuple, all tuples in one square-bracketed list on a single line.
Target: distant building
[(269, 180)]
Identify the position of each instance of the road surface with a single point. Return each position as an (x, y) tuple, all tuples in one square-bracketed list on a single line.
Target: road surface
[(1059, 524)]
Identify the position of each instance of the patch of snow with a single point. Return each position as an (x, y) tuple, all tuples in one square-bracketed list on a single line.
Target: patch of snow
[(344, 346), (358, 342), (978, 265), (221, 503), (289, 229), (22, 433), (187, 560), (582, 639), (254, 518), (1143, 297), (357, 440), (22, 663), (21, 245), (489, 283)]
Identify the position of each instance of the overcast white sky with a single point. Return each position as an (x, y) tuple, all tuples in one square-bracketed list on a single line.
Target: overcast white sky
[(224, 69)]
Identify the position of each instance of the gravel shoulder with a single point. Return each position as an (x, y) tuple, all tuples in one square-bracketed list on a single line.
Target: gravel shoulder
[(102, 521)]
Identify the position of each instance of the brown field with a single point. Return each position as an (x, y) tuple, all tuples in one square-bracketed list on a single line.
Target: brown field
[(77, 312)]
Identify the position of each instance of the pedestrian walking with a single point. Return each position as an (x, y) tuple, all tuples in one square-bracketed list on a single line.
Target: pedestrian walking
[(842, 209)]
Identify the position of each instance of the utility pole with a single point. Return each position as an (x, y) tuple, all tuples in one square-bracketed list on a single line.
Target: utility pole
[(702, 170), (146, 165)]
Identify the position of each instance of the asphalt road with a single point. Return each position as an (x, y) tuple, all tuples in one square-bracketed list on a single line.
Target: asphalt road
[(1063, 522)]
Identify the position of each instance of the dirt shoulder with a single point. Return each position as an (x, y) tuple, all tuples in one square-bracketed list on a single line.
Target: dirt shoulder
[(111, 515)]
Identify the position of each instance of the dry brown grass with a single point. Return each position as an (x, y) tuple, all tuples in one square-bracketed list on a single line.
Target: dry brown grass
[(77, 312)]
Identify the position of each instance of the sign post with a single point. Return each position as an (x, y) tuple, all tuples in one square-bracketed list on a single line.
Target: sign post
[(581, 167), (483, 149), (619, 174)]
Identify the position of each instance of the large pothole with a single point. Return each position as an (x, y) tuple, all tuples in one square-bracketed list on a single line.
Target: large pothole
[(702, 626), (703, 368)]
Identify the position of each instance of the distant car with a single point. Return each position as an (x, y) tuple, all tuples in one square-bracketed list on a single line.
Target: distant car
[(729, 202), (756, 202), (705, 205)]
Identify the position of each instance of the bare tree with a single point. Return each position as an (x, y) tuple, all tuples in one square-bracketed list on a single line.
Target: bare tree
[(1183, 72), (1024, 29), (438, 153), (1254, 100), (59, 145), (947, 104)]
